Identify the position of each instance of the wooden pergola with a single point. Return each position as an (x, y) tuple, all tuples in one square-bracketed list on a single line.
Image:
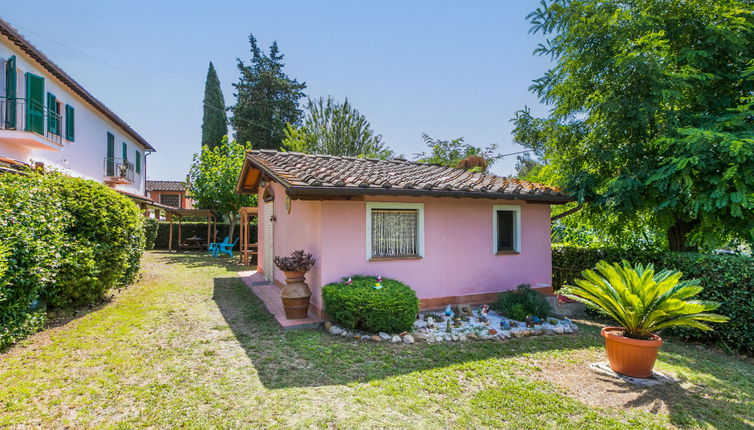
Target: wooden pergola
[(180, 213), (247, 248)]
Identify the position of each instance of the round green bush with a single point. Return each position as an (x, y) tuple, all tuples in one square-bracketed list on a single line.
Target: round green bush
[(104, 241), (521, 303), (392, 308)]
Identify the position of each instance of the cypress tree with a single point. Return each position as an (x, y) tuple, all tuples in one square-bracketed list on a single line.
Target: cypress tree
[(214, 121)]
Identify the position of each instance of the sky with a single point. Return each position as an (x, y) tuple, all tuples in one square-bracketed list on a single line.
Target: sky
[(446, 68)]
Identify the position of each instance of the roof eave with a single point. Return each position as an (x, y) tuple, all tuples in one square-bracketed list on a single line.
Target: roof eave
[(298, 190)]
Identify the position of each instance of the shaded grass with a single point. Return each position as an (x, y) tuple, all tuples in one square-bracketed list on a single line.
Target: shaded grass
[(190, 346)]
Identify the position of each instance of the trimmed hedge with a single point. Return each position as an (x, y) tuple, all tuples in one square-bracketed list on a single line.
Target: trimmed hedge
[(31, 227), (197, 229), (392, 308), (70, 240), (151, 225), (728, 279)]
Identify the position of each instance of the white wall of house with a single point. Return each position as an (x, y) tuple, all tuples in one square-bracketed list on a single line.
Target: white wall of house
[(85, 156)]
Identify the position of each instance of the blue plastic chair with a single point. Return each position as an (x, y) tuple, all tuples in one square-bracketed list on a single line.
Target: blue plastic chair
[(213, 246), (225, 248)]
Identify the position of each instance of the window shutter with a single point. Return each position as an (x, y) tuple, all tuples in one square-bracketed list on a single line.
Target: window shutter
[(138, 162), (110, 163), (52, 118), (35, 103), (125, 151), (69, 123), (10, 93)]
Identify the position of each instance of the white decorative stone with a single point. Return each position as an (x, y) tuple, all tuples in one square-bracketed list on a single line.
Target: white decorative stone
[(558, 330), (336, 330), (408, 339), (396, 339), (462, 337), (384, 335)]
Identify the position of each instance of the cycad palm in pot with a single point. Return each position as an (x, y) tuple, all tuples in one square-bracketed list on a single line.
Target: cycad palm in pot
[(642, 302)]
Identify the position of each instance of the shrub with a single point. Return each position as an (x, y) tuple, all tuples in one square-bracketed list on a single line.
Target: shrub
[(104, 241), (727, 279), (643, 301), (151, 225), (298, 261), (392, 308), (31, 230), (521, 303)]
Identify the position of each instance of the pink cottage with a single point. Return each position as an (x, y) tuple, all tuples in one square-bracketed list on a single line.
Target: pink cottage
[(452, 235)]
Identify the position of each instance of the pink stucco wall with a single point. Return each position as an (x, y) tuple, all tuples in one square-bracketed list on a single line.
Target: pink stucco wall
[(458, 240)]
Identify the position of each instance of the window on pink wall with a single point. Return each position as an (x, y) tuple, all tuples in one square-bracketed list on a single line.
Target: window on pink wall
[(506, 228), (394, 230)]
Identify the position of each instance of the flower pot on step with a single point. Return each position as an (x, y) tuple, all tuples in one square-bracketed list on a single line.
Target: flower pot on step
[(295, 295), (631, 357)]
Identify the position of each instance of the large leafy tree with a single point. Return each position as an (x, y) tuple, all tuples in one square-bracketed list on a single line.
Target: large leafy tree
[(213, 177), (457, 153), (214, 120), (266, 99), (652, 112), (331, 127)]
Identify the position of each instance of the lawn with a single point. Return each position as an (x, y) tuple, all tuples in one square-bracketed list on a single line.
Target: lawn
[(191, 346)]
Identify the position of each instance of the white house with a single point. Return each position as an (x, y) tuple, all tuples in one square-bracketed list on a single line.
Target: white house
[(47, 117)]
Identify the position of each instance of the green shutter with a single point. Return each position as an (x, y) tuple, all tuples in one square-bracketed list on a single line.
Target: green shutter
[(10, 93), (110, 163), (35, 91), (52, 117), (138, 161), (125, 151), (69, 123)]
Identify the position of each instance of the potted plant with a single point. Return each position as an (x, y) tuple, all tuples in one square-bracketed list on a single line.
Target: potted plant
[(296, 293), (642, 302)]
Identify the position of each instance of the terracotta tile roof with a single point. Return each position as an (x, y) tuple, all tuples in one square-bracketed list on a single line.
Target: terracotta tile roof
[(15, 37), (165, 186), (326, 174)]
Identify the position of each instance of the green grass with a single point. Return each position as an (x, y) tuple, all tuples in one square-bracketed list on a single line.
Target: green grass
[(190, 346)]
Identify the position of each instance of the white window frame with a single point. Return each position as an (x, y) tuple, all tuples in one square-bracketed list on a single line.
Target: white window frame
[(516, 209), (419, 207)]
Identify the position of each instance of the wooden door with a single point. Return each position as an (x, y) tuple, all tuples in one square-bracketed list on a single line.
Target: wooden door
[(268, 214)]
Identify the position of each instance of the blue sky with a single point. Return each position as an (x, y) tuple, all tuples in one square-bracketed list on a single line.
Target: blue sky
[(446, 68)]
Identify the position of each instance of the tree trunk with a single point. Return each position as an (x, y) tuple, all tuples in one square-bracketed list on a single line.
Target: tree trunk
[(232, 227), (677, 240)]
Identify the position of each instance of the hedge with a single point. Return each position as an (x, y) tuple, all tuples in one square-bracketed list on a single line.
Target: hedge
[(195, 229), (69, 241), (151, 225), (728, 279), (392, 308)]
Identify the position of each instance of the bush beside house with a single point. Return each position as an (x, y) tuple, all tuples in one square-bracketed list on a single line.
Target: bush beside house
[(392, 308), (69, 241), (151, 226), (728, 279)]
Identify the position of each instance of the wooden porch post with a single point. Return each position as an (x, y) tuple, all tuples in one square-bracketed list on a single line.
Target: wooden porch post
[(180, 219), (209, 226), (169, 216)]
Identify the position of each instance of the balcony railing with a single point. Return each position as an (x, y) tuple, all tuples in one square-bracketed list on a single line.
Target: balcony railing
[(23, 115), (118, 170)]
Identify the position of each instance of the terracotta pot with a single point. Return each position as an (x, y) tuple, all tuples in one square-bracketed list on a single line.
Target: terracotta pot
[(295, 296), (632, 357)]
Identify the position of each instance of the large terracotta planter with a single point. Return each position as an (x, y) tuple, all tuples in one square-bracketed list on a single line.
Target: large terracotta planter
[(295, 296), (632, 357)]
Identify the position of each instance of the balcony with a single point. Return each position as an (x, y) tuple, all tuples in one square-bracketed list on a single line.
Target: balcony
[(118, 171), (28, 124)]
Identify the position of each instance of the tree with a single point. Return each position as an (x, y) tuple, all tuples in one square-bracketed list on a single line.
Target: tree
[(334, 128), (212, 180), (457, 153), (266, 99), (651, 112), (214, 121)]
